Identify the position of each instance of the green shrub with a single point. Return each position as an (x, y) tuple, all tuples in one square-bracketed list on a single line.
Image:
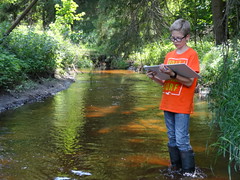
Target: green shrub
[(44, 52), (37, 50), (71, 54), (36, 53), (3, 27), (11, 70), (202, 47), (210, 63), (84, 62), (152, 54), (119, 64)]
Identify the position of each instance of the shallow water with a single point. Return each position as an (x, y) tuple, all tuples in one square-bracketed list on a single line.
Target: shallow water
[(106, 126)]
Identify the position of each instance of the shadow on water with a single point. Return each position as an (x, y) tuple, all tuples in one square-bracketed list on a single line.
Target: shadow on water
[(106, 126)]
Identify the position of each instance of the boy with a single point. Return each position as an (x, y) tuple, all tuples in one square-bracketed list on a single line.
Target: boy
[(177, 97)]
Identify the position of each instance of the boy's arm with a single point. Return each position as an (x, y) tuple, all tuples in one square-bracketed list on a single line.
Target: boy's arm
[(184, 80)]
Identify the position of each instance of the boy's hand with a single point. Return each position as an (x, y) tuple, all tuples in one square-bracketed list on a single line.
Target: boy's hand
[(163, 68), (151, 74)]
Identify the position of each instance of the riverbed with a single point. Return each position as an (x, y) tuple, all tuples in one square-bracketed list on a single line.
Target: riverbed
[(105, 126)]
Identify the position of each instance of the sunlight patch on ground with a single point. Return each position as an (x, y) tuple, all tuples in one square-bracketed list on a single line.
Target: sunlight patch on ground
[(136, 140), (151, 126), (127, 112), (148, 126), (140, 109), (137, 160), (94, 111), (105, 130), (160, 113)]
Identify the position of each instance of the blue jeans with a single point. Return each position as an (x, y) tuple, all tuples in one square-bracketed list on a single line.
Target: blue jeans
[(178, 130)]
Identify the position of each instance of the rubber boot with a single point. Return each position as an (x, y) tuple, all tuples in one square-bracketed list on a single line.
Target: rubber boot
[(188, 162), (175, 158)]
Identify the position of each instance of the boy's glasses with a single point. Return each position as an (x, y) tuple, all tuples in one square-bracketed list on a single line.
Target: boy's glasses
[(178, 39)]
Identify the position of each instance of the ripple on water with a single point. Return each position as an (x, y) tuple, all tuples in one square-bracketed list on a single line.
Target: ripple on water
[(198, 174)]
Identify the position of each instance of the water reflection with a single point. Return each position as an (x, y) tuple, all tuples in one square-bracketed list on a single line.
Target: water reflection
[(138, 160), (94, 111), (107, 125)]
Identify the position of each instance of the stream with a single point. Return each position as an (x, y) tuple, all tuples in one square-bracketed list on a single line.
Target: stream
[(106, 126)]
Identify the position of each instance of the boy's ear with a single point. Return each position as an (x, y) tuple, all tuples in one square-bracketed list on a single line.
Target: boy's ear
[(188, 37)]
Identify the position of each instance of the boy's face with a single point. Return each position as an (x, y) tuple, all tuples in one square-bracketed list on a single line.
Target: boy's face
[(178, 39)]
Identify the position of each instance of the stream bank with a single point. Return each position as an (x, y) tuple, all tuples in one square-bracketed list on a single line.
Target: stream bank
[(41, 90)]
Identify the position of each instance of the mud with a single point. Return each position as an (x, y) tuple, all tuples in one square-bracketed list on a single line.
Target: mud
[(41, 91)]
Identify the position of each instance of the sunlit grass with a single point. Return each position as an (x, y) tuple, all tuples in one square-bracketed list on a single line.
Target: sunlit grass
[(225, 103)]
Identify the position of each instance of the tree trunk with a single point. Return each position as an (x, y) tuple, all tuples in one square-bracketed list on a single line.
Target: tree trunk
[(219, 21), (16, 22), (48, 12)]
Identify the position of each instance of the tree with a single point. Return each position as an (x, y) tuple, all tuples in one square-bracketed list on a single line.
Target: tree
[(65, 17), (9, 10), (17, 21), (48, 12), (219, 21), (197, 12), (124, 26), (120, 27)]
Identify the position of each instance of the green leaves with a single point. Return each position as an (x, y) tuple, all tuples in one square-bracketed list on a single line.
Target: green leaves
[(152, 54), (38, 51), (225, 102), (65, 17), (33, 54), (125, 26), (10, 70)]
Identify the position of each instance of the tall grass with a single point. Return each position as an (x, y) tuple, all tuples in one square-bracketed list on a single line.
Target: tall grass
[(225, 103)]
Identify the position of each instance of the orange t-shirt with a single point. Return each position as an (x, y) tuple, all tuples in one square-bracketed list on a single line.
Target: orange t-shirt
[(176, 97)]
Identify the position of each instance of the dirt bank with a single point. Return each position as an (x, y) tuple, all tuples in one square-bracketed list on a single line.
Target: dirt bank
[(39, 92)]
